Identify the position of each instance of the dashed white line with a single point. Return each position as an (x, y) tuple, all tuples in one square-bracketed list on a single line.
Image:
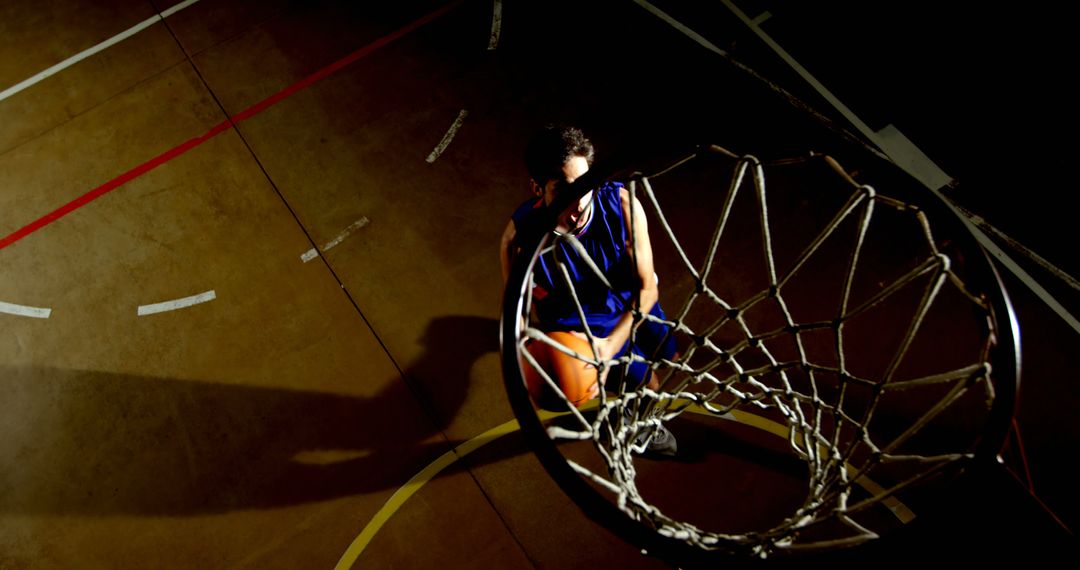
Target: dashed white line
[(346, 232), (177, 304), (93, 50), (496, 25), (313, 253), (24, 311), (449, 136), (177, 8)]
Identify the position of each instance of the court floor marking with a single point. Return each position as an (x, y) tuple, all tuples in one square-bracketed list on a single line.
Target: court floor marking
[(363, 221), (449, 136), (413, 485), (416, 482), (496, 25), (229, 123), (25, 311), (176, 304), (41, 75), (313, 253)]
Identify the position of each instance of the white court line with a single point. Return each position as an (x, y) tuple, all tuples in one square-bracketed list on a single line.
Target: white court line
[(313, 253), (496, 25), (24, 311), (177, 304), (95, 49), (346, 232), (449, 136)]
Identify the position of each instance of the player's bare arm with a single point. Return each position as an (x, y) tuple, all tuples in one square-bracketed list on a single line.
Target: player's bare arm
[(649, 292), (505, 255)]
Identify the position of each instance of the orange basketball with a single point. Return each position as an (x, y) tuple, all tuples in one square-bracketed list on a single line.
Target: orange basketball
[(575, 377)]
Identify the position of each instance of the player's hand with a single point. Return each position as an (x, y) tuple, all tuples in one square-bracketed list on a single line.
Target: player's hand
[(606, 351)]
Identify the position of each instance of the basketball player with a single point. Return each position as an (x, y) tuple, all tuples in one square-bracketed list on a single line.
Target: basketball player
[(601, 222)]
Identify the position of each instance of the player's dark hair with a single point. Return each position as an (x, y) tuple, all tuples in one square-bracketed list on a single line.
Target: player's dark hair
[(553, 147)]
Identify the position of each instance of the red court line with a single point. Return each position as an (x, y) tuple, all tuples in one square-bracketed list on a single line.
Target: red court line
[(219, 128)]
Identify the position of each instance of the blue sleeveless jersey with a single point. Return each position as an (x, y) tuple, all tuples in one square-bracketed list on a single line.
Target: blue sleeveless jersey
[(605, 238)]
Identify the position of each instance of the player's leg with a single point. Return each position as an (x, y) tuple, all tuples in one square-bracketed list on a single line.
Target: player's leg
[(653, 340)]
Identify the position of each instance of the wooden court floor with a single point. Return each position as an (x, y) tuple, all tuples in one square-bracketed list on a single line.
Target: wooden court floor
[(249, 278)]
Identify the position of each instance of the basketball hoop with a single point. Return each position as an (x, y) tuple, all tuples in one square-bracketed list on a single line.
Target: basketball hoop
[(866, 328)]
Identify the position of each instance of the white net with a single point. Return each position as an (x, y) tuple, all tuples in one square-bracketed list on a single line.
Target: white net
[(822, 308)]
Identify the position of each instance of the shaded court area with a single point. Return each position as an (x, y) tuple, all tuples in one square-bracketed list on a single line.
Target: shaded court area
[(249, 288)]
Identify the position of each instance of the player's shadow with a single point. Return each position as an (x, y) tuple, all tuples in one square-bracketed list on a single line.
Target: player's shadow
[(99, 443)]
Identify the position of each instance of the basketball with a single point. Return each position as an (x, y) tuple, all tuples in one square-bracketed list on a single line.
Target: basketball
[(575, 377)]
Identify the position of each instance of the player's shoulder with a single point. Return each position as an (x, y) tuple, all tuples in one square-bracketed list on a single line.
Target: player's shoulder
[(610, 191), (612, 186), (625, 199)]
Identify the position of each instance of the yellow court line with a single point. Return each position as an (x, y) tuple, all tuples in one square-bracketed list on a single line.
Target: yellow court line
[(416, 482), (428, 473), (403, 494), (396, 500)]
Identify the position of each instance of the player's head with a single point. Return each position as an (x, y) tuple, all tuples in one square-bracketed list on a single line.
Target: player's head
[(553, 147), (555, 157)]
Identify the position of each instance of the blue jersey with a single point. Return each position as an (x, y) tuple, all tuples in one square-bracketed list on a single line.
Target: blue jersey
[(605, 238)]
